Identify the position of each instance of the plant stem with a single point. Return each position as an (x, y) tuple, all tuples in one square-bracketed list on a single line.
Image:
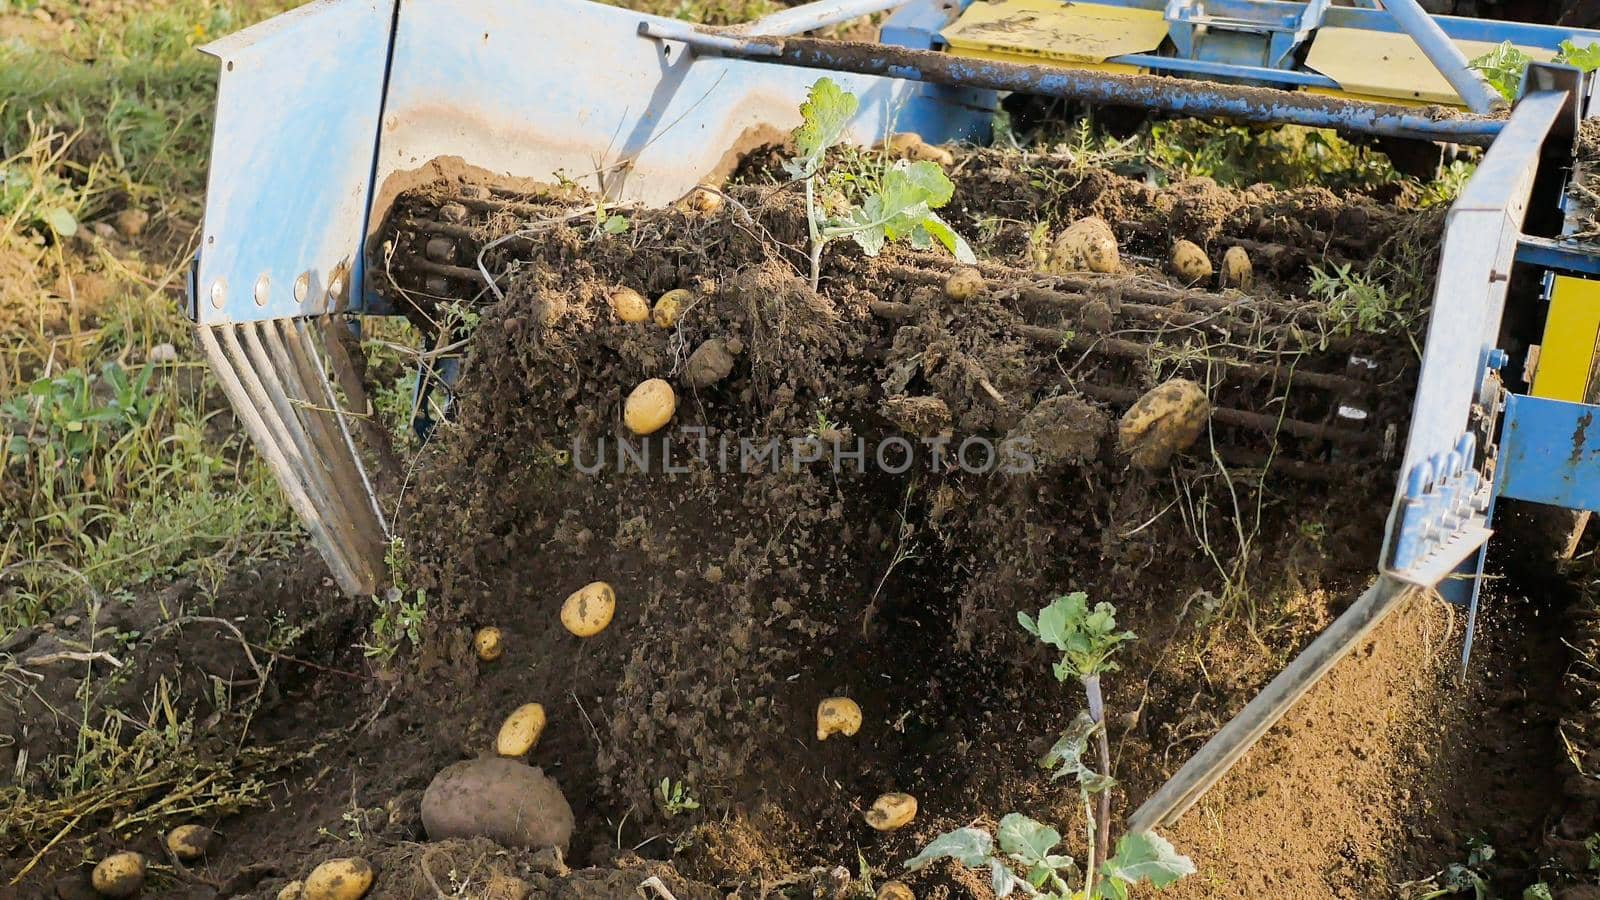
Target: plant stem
[(816, 235), (1097, 713), (1089, 826)]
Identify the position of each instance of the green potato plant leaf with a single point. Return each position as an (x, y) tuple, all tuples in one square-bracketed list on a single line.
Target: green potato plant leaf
[(971, 847), (1143, 856), (903, 209), (1086, 637), (1069, 756), (1586, 59), (826, 112)]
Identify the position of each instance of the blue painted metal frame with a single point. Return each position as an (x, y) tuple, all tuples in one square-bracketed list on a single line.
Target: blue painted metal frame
[(1550, 452)]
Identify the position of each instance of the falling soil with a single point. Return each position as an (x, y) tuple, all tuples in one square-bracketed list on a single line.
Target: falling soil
[(762, 562)]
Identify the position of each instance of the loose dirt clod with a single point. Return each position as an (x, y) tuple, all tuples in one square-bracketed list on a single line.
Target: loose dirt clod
[(922, 416), (1064, 430), (500, 799), (1163, 422), (119, 875), (346, 878), (892, 811), (708, 364), (520, 731)]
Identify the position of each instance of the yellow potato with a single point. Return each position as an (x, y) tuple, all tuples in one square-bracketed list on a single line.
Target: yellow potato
[(520, 731), (1236, 269), (1190, 263), (704, 199), (910, 145), (487, 643), (894, 890), (189, 842), (1087, 244), (892, 811), (119, 875), (346, 878), (588, 610), (629, 305), (964, 284), (294, 890), (837, 715), (649, 407), (1165, 421), (670, 306)]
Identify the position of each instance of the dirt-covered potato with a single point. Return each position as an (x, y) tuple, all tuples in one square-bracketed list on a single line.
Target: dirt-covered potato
[(1236, 269), (119, 875), (501, 799), (910, 145), (710, 362), (704, 199), (649, 407), (670, 306), (345, 878), (837, 715), (1167, 420), (294, 890), (588, 610), (894, 890), (189, 842), (1087, 245), (487, 643), (1189, 262), (520, 731), (892, 811), (964, 284), (629, 305)]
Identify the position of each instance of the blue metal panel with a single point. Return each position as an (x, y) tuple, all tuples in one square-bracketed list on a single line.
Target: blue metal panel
[(298, 104), (1550, 453), (916, 25), (1563, 255)]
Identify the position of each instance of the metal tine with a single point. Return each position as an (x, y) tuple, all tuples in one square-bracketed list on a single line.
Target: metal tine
[(315, 414), (278, 461), (313, 362), (277, 409)]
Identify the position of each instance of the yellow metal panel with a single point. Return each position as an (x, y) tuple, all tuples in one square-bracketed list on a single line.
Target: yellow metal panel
[(1391, 66), (1083, 34), (1567, 354)]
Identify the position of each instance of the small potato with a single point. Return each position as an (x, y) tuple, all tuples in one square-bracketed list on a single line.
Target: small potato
[(520, 731), (487, 643), (670, 306), (649, 407), (964, 284), (189, 842), (629, 305), (588, 610), (1236, 269), (837, 715), (894, 890), (294, 890), (1087, 244), (704, 199), (892, 811), (910, 145), (1190, 263), (119, 875), (346, 878)]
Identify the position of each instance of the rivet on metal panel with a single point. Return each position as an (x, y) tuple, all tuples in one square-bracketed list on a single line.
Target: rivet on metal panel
[(302, 287), (263, 288), (219, 293)]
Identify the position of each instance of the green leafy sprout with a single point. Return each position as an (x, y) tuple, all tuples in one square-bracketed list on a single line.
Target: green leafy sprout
[(902, 206), (1086, 637), (1503, 66), (675, 798)]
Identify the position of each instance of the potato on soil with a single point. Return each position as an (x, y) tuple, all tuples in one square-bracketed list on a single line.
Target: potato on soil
[(345, 878), (838, 715), (1167, 420), (704, 199), (670, 306), (892, 811), (649, 407), (294, 890), (1087, 245), (1190, 263), (894, 890), (119, 875), (189, 842), (588, 610), (964, 284), (501, 799), (629, 305), (1236, 269), (487, 643), (710, 362), (910, 145), (520, 731)]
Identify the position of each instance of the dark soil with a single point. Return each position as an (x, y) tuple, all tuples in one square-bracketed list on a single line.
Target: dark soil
[(746, 596)]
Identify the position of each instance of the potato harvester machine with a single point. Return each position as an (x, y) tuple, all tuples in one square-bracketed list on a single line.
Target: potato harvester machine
[(325, 114)]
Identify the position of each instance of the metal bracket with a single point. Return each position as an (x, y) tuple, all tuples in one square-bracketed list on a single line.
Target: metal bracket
[(1442, 516)]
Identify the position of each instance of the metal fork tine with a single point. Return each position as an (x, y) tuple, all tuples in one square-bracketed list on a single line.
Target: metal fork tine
[(304, 349), (277, 460)]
